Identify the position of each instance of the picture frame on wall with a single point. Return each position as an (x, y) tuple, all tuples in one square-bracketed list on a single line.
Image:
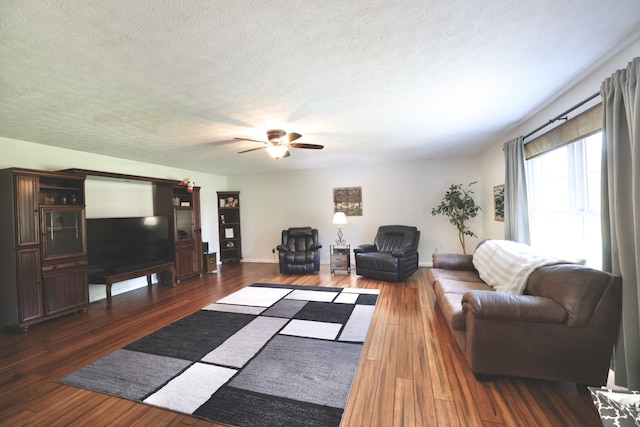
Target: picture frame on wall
[(498, 202), (348, 200)]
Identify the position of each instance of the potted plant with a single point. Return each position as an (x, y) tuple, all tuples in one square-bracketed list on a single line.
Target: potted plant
[(459, 206)]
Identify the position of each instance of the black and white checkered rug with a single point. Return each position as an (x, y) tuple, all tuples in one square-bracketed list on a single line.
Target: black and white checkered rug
[(267, 355)]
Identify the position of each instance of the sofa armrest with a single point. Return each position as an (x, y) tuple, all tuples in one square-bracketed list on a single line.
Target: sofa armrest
[(492, 305), (404, 252), (453, 261), (365, 248)]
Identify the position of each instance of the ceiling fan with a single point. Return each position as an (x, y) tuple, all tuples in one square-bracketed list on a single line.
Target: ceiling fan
[(280, 142)]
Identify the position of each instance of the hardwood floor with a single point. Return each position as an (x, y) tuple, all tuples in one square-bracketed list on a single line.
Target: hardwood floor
[(411, 373)]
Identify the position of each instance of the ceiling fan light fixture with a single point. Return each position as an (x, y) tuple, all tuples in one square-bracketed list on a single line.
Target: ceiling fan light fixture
[(277, 151), (276, 136)]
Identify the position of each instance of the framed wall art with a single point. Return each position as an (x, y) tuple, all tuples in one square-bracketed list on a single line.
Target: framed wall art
[(498, 202), (348, 200)]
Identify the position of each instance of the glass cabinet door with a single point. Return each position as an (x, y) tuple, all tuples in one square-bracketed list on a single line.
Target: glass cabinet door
[(63, 232), (184, 224)]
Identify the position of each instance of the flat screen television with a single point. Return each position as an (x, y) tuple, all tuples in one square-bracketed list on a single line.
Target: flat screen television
[(116, 245)]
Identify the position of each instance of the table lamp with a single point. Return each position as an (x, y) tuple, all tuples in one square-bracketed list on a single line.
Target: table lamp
[(340, 219)]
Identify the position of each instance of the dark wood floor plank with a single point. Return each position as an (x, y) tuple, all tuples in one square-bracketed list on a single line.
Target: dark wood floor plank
[(411, 371)]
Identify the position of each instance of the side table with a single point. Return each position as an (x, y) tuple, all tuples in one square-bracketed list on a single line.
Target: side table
[(209, 262), (340, 258)]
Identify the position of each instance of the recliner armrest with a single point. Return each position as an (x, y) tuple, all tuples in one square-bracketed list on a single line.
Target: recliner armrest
[(365, 248), (315, 246), (282, 248), (403, 252), (492, 305)]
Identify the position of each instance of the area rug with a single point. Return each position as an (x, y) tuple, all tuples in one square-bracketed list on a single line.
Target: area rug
[(266, 355)]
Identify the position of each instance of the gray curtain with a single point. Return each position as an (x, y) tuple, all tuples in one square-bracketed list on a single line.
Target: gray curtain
[(516, 207), (621, 210)]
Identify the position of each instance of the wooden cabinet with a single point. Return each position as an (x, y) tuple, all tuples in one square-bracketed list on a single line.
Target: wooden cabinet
[(43, 246), (29, 296), (27, 210), (183, 210), (229, 226), (64, 288)]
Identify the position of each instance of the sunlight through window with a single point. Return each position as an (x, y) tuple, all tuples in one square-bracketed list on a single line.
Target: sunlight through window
[(564, 200)]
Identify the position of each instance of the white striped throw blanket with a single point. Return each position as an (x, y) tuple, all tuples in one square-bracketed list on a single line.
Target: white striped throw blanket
[(506, 265)]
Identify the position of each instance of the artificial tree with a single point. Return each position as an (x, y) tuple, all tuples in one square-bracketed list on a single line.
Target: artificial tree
[(459, 206)]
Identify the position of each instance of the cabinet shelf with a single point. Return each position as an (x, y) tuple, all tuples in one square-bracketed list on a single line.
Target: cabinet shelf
[(58, 187)]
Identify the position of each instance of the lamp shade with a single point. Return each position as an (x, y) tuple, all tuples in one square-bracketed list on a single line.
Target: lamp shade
[(339, 218)]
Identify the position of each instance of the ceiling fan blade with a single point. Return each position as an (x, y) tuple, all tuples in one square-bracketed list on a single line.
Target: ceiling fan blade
[(303, 145), (293, 136), (287, 154), (252, 140), (251, 149)]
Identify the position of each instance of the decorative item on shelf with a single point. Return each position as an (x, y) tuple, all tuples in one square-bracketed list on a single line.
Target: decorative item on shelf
[(228, 233), (222, 221), (49, 200), (340, 219), (74, 198), (64, 199), (231, 203), (185, 204), (189, 184), (230, 245), (223, 202), (176, 201)]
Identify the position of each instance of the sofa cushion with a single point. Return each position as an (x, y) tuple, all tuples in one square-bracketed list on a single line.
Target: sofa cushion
[(449, 286), (463, 275), (449, 295), (451, 306)]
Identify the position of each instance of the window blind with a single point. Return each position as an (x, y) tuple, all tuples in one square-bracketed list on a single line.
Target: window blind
[(581, 126)]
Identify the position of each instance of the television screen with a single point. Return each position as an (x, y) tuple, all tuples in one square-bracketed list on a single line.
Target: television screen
[(115, 245)]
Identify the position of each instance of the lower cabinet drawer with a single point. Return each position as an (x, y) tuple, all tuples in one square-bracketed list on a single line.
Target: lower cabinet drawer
[(339, 262)]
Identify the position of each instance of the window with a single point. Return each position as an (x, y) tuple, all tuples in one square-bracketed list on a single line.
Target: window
[(564, 200)]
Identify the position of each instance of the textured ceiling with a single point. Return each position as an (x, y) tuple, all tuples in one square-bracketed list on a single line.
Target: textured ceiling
[(173, 82)]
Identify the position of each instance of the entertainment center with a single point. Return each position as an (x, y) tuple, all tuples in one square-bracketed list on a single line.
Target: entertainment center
[(49, 251)]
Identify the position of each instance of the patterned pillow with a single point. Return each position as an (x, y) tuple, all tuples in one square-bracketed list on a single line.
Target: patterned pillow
[(617, 408)]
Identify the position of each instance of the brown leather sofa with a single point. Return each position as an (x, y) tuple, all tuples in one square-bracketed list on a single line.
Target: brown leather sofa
[(562, 328)]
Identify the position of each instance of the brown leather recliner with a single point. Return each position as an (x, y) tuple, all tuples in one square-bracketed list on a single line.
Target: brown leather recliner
[(299, 252), (393, 256)]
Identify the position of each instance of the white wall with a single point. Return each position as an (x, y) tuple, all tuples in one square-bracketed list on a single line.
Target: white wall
[(392, 193), (116, 198), (492, 161)]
